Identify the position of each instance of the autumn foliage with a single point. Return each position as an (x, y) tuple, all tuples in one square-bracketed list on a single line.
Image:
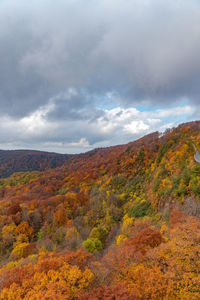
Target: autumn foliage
[(114, 223)]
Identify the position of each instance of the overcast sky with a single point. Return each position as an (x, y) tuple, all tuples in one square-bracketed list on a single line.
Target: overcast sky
[(81, 74)]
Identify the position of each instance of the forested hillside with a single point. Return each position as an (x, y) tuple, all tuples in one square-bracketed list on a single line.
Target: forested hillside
[(114, 223), (12, 161)]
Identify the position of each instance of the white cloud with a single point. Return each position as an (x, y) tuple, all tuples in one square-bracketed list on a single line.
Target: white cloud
[(83, 143), (36, 123), (175, 111), (136, 127), (115, 126)]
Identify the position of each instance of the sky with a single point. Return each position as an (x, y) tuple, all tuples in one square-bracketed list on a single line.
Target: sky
[(81, 74)]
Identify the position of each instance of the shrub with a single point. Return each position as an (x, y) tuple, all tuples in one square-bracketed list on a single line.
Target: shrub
[(120, 238), (118, 182), (26, 229), (9, 234), (100, 233), (72, 239), (19, 251), (140, 209), (156, 184), (59, 235), (194, 186), (92, 245), (39, 235)]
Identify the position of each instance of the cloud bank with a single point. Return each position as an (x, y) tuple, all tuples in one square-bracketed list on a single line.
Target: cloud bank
[(79, 74)]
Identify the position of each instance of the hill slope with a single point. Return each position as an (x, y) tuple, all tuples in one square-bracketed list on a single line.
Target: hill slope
[(114, 223), (28, 160)]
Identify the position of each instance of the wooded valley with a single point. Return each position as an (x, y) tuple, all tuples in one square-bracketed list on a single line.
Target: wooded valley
[(114, 223)]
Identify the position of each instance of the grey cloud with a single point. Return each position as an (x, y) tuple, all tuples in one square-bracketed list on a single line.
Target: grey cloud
[(79, 55), (145, 51), (74, 104)]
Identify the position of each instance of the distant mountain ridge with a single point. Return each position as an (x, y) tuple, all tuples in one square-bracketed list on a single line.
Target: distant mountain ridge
[(12, 161)]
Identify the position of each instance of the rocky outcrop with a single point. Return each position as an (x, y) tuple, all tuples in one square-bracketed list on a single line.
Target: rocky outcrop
[(196, 155)]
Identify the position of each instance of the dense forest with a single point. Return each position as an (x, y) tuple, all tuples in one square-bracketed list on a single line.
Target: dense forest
[(12, 161), (114, 223)]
